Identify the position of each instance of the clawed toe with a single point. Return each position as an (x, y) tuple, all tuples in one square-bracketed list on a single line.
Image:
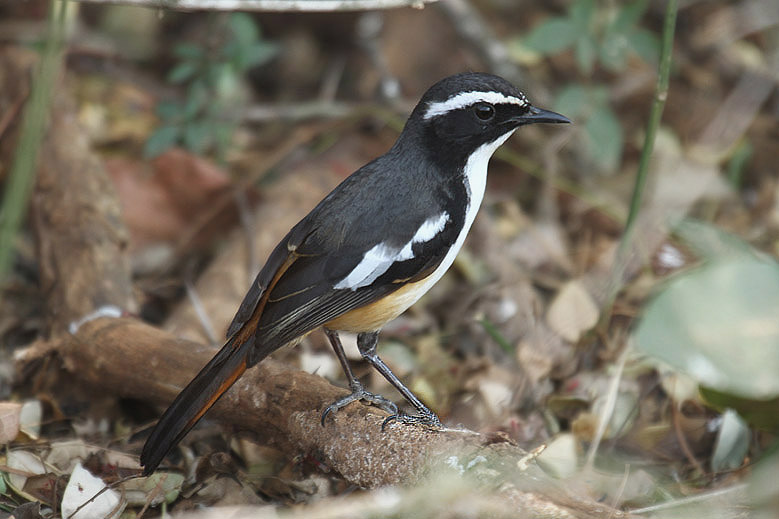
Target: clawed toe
[(428, 418), (359, 393)]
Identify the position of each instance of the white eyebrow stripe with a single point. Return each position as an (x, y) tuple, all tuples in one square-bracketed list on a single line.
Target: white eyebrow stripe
[(380, 258), (469, 98)]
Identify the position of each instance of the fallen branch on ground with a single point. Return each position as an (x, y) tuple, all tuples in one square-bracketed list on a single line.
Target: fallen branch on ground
[(280, 406)]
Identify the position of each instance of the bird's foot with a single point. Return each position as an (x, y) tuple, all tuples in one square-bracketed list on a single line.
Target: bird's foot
[(423, 417), (359, 393)]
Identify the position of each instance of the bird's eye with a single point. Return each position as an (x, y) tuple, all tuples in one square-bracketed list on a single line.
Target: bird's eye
[(484, 111)]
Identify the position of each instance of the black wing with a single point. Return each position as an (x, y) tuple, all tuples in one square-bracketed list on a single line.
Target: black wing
[(331, 241)]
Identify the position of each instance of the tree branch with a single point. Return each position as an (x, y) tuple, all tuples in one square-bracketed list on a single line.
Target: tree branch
[(280, 406), (267, 5)]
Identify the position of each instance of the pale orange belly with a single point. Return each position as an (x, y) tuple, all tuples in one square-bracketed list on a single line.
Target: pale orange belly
[(374, 316)]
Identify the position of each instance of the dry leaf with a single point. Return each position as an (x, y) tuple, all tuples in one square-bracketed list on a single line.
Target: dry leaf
[(25, 463), (572, 312), (30, 418), (9, 421), (83, 488), (560, 458), (161, 200)]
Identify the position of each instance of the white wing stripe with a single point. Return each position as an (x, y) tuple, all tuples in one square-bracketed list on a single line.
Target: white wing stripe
[(380, 258), (375, 261), (469, 98), (430, 228)]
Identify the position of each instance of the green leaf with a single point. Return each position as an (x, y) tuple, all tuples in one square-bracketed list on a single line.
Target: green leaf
[(197, 136), (586, 50), (552, 36), (169, 483), (604, 138), (169, 110), (712, 243), (719, 324), (645, 44), (732, 443), (761, 414), (738, 163), (581, 14), (222, 135), (244, 29), (215, 73), (163, 138), (258, 54), (599, 96), (763, 488), (628, 16), (572, 101), (197, 97), (614, 51), (189, 51), (224, 82), (183, 71)]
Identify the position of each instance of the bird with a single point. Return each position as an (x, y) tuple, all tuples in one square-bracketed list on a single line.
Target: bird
[(368, 251)]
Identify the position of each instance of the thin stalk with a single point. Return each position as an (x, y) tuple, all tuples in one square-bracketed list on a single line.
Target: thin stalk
[(498, 337), (656, 114), (21, 177)]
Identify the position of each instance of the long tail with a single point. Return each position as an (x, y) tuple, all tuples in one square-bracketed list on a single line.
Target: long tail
[(197, 398)]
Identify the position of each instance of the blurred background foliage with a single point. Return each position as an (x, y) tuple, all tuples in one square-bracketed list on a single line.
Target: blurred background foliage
[(213, 78), (599, 34)]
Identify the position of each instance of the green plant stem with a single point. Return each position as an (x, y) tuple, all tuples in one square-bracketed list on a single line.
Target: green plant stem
[(656, 114), (498, 337), (22, 174)]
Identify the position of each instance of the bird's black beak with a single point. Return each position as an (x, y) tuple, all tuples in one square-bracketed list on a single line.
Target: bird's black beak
[(539, 115)]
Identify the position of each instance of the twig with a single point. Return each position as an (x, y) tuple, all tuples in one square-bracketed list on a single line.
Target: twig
[(655, 115), (368, 31), (620, 491), (626, 249), (319, 109), (682, 439), (608, 409), (267, 5), (331, 78), (112, 486), (156, 491), (205, 320), (684, 501)]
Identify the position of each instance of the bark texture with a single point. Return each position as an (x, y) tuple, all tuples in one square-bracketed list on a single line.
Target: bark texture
[(80, 236)]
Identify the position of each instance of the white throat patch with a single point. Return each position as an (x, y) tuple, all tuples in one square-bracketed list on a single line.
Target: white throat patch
[(469, 98)]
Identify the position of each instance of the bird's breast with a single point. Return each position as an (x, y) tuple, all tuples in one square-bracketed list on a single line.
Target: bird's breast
[(374, 316)]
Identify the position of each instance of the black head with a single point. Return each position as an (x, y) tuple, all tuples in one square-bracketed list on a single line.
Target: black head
[(461, 113)]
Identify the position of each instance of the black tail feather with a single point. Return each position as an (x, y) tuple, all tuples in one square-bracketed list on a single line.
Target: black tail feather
[(194, 400)]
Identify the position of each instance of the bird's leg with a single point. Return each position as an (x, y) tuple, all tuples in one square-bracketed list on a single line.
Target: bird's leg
[(366, 343), (358, 391)]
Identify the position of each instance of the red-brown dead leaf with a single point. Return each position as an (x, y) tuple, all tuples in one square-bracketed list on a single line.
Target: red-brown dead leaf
[(161, 199)]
